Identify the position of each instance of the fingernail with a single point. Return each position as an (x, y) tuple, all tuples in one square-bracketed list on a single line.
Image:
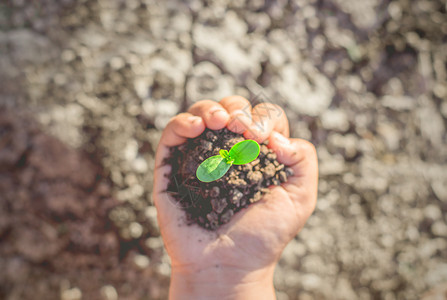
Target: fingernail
[(218, 111), (194, 119), (280, 138)]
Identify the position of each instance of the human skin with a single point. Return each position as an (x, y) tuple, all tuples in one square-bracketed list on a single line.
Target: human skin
[(237, 260)]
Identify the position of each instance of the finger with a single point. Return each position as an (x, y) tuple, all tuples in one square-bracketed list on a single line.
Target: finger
[(239, 109), (178, 130), (301, 157), (267, 117), (214, 114)]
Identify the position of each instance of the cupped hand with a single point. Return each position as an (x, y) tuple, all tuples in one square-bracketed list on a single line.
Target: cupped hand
[(246, 249)]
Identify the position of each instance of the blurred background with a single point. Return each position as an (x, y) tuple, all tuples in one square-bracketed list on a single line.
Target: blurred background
[(87, 86)]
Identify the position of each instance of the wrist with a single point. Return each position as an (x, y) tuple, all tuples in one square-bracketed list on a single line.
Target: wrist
[(222, 282)]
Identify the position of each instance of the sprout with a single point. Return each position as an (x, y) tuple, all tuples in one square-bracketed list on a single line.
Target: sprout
[(215, 167)]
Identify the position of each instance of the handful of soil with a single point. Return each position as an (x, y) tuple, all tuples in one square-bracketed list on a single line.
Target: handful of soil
[(214, 203)]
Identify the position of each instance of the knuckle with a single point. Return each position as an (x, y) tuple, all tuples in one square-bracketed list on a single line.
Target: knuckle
[(309, 148), (178, 119), (235, 101), (200, 105)]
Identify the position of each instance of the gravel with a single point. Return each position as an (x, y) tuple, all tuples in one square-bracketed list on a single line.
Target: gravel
[(87, 86)]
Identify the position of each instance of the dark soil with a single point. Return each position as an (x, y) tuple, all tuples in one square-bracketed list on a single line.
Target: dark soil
[(213, 204)]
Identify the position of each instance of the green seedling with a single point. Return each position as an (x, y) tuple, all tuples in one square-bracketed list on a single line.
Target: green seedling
[(216, 166)]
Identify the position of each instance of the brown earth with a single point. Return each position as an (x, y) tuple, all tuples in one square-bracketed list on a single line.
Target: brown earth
[(213, 204), (86, 86)]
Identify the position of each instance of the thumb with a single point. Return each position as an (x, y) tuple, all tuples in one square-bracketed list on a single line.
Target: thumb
[(301, 156)]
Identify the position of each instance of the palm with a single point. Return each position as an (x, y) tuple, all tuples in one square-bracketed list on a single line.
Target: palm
[(255, 236)]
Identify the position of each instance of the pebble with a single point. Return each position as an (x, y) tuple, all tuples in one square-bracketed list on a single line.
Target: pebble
[(439, 228), (276, 181), (271, 156), (279, 168), (282, 176), (440, 189), (432, 212), (213, 218), (211, 136), (135, 230), (207, 145), (154, 243), (108, 292), (141, 261), (72, 294), (236, 197), (255, 176), (335, 120), (269, 171), (289, 172), (226, 216), (215, 191), (219, 204), (140, 165)]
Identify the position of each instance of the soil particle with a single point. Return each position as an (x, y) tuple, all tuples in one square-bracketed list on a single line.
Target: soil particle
[(226, 216), (214, 193), (282, 176), (212, 204), (255, 177), (269, 171), (213, 219), (218, 204), (236, 197)]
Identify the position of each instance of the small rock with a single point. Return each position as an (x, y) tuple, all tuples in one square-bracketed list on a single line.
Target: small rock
[(398, 103), (236, 197), (335, 120), (271, 156), (72, 294), (219, 204), (213, 218), (154, 243), (211, 136), (289, 172), (439, 228), (141, 261), (256, 197), (264, 150), (269, 171), (335, 166), (390, 134), (440, 190), (255, 162), (131, 150), (275, 181), (140, 165), (207, 145), (226, 216), (432, 212), (215, 191), (255, 176), (108, 292), (282, 176), (280, 167), (135, 230)]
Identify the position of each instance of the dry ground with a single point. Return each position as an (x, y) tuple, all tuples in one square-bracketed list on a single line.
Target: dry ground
[(87, 86)]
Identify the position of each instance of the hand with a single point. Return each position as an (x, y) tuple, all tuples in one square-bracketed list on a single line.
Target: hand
[(237, 260)]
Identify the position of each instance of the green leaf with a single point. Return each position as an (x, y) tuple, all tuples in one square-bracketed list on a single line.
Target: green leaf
[(226, 156), (212, 168), (245, 152)]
